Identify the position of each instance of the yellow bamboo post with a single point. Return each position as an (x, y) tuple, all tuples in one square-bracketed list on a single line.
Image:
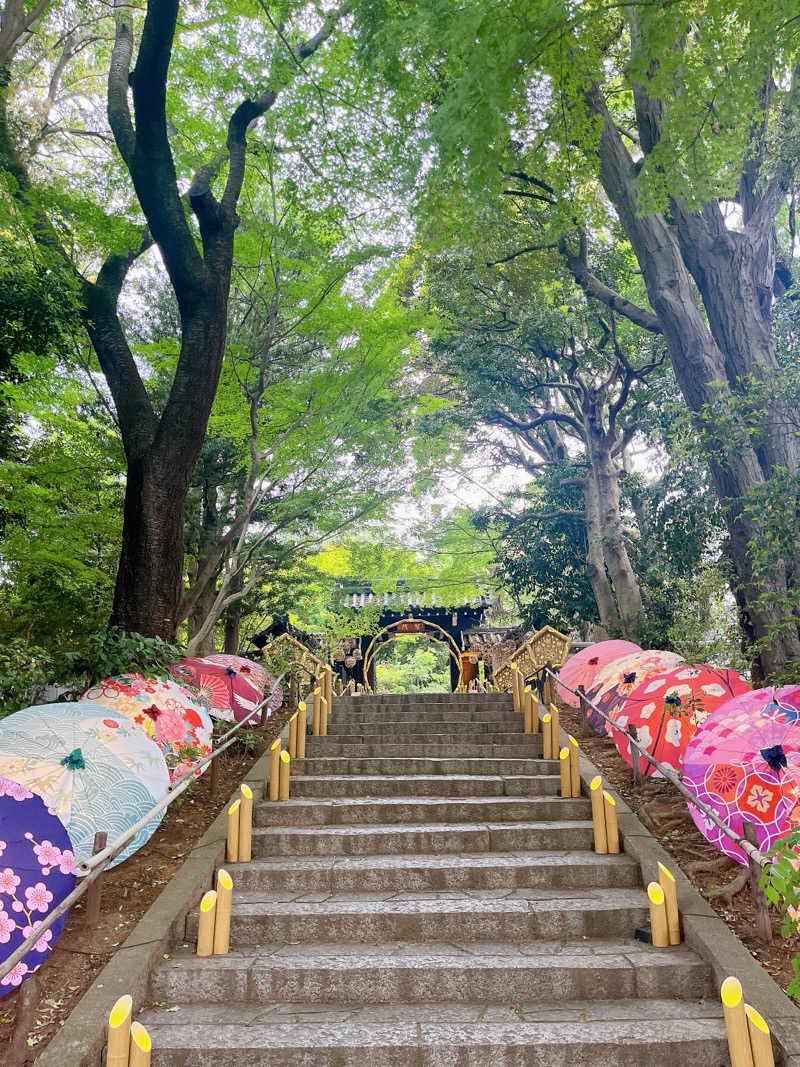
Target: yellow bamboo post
[(244, 852), (760, 1040), (736, 1023), (232, 846), (302, 727), (666, 879), (205, 927), (659, 933), (323, 717), (527, 706), (141, 1046), (328, 694), (547, 738), (283, 790), (566, 784), (515, 689), (293, 736), (315, 711), (119, 1032), (274, 768), (222, 919), (555, 728), (612, 826), (533, 704), (598, 815), (574, 766)]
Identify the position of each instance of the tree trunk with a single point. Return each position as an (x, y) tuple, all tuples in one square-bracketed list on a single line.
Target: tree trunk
[(233, 616), (618, 564), (595, 560)]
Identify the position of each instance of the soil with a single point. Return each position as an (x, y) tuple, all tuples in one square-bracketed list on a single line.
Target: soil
[(663, 811), (128, 891)]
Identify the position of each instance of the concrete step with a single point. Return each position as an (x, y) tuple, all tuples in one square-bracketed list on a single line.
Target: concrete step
[(525, 746), (507, 1033), (439, 713), (421, 838), (419, 785), (401, 765), (423, 699), (401, 728), (474, 870), (434, 972), (262, 918), (422, 735), (409, 811)]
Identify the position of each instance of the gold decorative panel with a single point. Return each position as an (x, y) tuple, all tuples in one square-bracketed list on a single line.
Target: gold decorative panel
[(545, 646), (296, 651)]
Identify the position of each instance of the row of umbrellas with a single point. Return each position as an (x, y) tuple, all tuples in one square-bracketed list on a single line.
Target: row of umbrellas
[(102, 762), (736, 748)]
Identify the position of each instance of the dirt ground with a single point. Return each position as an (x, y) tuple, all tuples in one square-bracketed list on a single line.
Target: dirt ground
[(664, 812), (128, 891)]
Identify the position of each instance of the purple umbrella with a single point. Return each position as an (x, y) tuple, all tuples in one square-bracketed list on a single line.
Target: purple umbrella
[(36, 873)]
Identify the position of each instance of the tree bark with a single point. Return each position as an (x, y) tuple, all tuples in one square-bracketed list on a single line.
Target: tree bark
[(595, 560)]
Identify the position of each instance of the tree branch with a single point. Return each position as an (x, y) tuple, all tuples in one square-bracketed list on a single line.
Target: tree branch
[(522, 252)]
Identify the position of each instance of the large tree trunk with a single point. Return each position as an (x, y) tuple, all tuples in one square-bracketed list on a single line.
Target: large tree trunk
[(595, 560)]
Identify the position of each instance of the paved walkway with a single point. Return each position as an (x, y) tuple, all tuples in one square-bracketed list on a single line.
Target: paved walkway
[(426, 898)]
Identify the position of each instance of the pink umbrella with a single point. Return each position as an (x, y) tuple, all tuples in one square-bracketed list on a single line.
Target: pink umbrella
[(582, 668), (668, 708), (620, 677), (224, 691), (744, 761), (253, 672)]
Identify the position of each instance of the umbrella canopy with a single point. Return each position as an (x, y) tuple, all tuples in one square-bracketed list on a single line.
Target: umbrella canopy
[(37, 868), (224, 691), (96, 768), (179, 725), (620, 677), (582, 668), (256, 673), (668, 708), (744, 762)]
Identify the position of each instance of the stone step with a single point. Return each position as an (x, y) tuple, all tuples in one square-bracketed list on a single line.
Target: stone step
[(526, 746), (434, 972), (401, 728), (401, 873), (421, 735), (419, 785), (442, 713), (258, 918), (421, 838), (351, 811), (423, 699), (507, 1033), (402, 765)]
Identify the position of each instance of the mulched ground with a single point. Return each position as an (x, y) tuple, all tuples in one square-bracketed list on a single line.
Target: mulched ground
[(128, 891), (663, 811)]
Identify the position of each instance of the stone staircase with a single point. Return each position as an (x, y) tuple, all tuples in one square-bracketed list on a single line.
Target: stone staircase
[(426, 898)]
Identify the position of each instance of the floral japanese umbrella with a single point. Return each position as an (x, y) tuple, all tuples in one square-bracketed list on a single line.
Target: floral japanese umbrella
[(255, 673), (617, 680), (225, 692), (668, 708), (744, 761), (96, 768), (582, 668), (37, 871), (166, 711)]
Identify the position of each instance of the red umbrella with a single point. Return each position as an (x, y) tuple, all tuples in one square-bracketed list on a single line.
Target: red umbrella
[(618, 679), (581, 668), (226, 693), (667, 709), (253, 672)]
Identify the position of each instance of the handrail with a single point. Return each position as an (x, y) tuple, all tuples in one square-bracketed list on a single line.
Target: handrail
[(668, 772), (90, 870)]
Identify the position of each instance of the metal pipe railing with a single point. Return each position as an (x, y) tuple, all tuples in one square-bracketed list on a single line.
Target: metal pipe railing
[(90, 870)]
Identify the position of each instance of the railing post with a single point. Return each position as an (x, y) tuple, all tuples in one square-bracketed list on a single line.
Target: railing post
[(550, 693), (94, 893), (763, 921), (636, 759)]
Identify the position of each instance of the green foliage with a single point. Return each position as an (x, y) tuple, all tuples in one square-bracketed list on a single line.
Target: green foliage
[(780, 880), (412, 665), (25, 673)]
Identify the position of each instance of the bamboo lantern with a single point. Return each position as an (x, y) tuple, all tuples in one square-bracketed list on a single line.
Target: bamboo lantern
[(141, 1046), (612, 826), (232, 846), (222, 921), (119, 1032), (547, 738), (245, 849), (302, 727), (574, 766), (533, 704), (274, 768), (760, 1041), (658, 916), (293, 736), (736, 1023), (555, 729), (315, 712), (205, 928), (598, 815), (566, 784), (283, 790), (327, 693), (323, 717), (527, 706), (515, 690), (666, 880)]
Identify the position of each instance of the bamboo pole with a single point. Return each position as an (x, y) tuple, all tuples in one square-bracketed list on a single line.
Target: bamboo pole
[(141, 1046), (302, 728), (566, 783), (328, 691), (527, 705), (315, 712), (222, 919), (205, 927), (555, 729), (232, 846), (293, 736), (612, 826), (659, 932), (515, 689), (760, 1040), (574, 766), (274, 768), (119, 1032), (244, 852), (598, 815), (547, 738), (736, 1023), (533, 701), (666, 879), (323, 717), (283, 790)]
